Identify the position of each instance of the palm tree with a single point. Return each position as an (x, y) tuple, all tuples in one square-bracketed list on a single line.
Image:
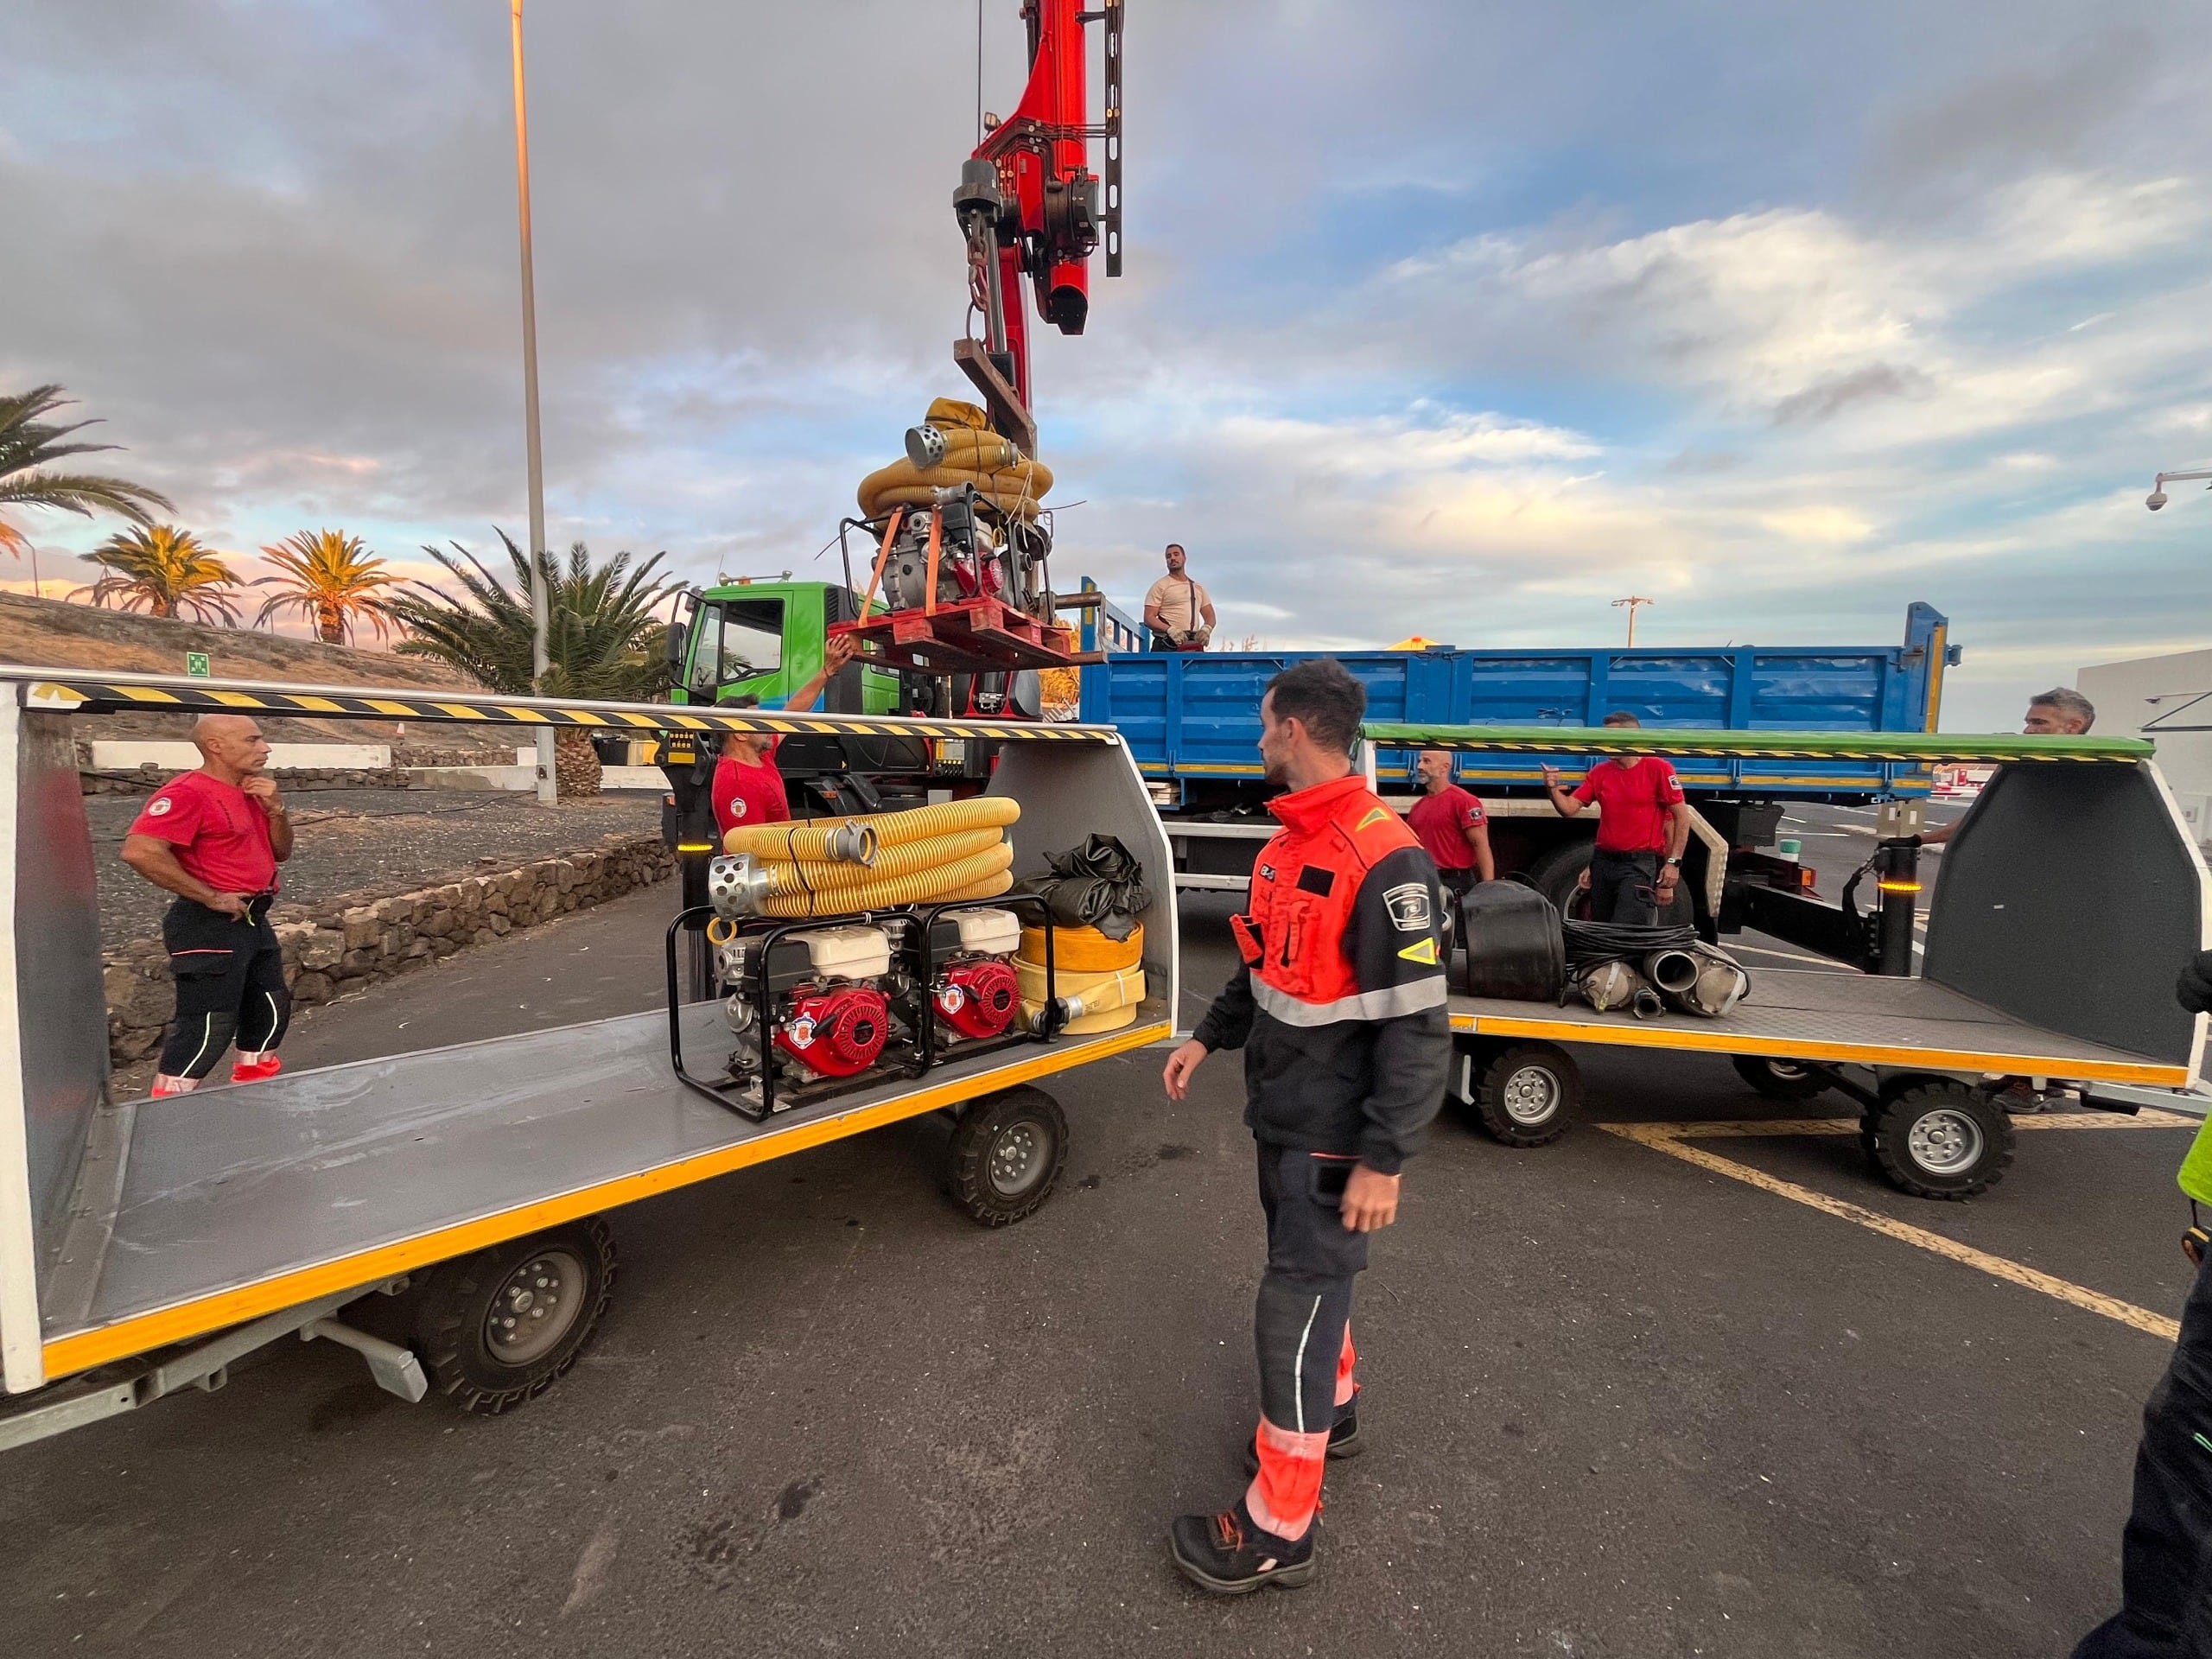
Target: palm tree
[(30, 446), (331, 579), (165, 571), (603, 640)]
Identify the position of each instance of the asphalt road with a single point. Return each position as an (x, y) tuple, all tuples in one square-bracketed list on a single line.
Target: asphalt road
[(1619, 1405)]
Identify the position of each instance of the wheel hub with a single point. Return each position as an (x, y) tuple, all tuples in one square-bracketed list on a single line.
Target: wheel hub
[(1531, 1095), (537, 1305), (1016, 1157), (1944, 1141)]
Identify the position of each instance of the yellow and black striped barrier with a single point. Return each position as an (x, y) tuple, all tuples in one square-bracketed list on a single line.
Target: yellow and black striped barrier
[(78, 691), (1914, 748)]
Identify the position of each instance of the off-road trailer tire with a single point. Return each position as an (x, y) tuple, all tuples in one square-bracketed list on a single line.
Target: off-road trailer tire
[(1006, 1155), (1519, 1094), (1788, 1080), (1935, 1138), (497, 1329)]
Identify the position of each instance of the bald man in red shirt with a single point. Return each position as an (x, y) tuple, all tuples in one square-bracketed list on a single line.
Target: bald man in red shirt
[(1643, 824)]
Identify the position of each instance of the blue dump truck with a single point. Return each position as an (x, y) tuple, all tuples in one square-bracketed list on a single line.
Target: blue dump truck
[(1192, 722)]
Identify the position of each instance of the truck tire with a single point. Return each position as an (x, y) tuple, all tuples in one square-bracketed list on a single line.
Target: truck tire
[(497, 1329), (1006, 1155), (1938, 1139), (1558, 876), (1790, 1080), (1525, 1094)]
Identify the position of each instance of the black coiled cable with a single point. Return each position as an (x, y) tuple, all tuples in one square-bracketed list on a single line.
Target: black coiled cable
[(1590, 943)]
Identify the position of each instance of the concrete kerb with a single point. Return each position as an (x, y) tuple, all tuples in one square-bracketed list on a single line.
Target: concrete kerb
[(348, 944)]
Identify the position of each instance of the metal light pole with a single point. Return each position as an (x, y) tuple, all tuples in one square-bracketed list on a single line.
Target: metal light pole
[(1631, 601), (548, 789)]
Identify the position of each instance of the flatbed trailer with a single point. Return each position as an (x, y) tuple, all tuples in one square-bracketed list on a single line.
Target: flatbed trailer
[(2072, 893), (147, 1245)]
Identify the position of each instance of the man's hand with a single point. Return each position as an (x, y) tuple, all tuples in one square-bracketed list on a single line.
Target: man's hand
[(1582, 882), (837, 653), (263, 788), (1669, 875), (1551, 776), (1371, 1199), (1180, 1064), (234, 904)]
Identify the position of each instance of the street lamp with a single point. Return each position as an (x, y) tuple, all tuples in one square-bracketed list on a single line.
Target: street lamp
[(549, 788), (2157, 496), (1632, 601)]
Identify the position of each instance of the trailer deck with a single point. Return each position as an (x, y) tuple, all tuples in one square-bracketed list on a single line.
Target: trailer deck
[(1836, 1018), (230, 1203)]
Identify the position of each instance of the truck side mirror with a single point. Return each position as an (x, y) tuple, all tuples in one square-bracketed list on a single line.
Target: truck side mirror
[(679, 637)]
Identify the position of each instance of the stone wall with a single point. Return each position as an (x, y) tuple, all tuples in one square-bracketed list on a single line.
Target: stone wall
[(146, 779), (353, 943)]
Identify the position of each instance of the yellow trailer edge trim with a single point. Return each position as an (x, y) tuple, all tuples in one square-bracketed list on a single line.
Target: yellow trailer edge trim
[(82, 1351), (1788, 1048)]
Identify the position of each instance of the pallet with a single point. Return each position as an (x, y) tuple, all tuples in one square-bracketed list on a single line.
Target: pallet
[(976, 636)]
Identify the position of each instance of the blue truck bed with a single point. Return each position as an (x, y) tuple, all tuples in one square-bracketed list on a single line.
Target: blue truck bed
[(1192, 719)]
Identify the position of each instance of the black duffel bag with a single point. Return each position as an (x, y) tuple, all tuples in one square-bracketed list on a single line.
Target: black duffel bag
[(1513, 944)]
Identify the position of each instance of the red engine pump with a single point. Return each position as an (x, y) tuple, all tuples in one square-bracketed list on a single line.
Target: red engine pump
[(977, 997), (837, 1033)]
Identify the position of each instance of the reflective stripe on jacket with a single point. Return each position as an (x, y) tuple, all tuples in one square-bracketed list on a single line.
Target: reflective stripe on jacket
[(1340, 1004)]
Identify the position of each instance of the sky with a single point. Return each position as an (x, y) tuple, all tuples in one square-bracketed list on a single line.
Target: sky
[(1440, 316)]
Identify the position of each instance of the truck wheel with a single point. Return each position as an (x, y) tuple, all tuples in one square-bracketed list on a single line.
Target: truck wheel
[(497, 1329), (1006, 1155), (1938, 1139), (1780, 1079), (1527, 1093)]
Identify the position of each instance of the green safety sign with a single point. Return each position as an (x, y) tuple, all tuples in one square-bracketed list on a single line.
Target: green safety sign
[(197, 665)]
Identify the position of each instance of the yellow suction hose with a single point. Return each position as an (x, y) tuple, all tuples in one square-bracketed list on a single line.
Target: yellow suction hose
[(847, 841), (891, 861), (973, 454), (937, 882), (833, 843)]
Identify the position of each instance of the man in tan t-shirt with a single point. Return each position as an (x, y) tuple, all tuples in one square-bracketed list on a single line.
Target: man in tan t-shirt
[(1179, 612)]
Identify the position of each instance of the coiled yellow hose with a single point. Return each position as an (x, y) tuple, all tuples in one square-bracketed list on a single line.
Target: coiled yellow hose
[(973, 454), (937, 883), (791, 877), (1108, 1000), (787, 842), (989, 887), (824, 842), (1084, 950)]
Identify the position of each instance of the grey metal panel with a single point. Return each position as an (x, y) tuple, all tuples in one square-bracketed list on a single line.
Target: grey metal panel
[(1072, 790), (1863, 1010), (61, 1003), (231, 1186), (2071, 897)]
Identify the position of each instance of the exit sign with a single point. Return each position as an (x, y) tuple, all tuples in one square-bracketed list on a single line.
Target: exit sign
[(197, 665)]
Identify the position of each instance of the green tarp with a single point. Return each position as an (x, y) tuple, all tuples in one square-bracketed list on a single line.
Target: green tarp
[(1928, 748)]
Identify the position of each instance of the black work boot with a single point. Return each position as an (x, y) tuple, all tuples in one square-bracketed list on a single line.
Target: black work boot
[(1228, 1554), (1344, 1436)]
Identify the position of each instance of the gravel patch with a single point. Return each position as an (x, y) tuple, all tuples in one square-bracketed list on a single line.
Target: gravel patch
[(374, 842)]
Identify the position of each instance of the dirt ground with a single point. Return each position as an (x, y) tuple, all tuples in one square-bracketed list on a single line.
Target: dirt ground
[(375, 841)]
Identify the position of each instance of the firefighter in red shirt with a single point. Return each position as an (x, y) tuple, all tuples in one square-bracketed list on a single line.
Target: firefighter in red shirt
[(1451, 825), (1643, 824), (748, 789), (215, 837), (1339, 1007)]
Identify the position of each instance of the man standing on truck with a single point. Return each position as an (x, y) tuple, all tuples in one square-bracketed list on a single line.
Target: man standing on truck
[(748, 789), (1643, 824), (1451, 825), (2060, 712), (215, 837), (1339, 1007), (1179, 612)]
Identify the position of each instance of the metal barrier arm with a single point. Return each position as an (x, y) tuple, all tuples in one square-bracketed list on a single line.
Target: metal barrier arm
[(71, 690), (1920, 748)]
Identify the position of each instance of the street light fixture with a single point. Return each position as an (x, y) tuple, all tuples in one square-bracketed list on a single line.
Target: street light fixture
[(2156, 499)]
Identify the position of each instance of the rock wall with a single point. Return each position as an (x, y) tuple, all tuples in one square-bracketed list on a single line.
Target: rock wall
[(146, 779), (346, 946)]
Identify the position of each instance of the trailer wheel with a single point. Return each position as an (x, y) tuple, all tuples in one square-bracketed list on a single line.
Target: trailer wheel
[(497, 1329), (1006, 1155), (1781, 1079), (1525, 1094), (1938, 1139)]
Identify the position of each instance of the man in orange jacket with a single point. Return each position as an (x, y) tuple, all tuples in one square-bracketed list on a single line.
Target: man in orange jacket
[(1339, 1007)]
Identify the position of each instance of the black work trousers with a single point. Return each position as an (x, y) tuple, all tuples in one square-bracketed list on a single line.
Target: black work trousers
[(1305, 1304), (1624, 887), (2165, 1554), (230, 984)]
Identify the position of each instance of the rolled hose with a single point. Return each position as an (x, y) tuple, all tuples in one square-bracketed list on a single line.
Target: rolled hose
[(1088, 1003), (920, 823), (971, 877), (850, 840), (973, 454), (1672, 971), (790, 877), (1084, 950)]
